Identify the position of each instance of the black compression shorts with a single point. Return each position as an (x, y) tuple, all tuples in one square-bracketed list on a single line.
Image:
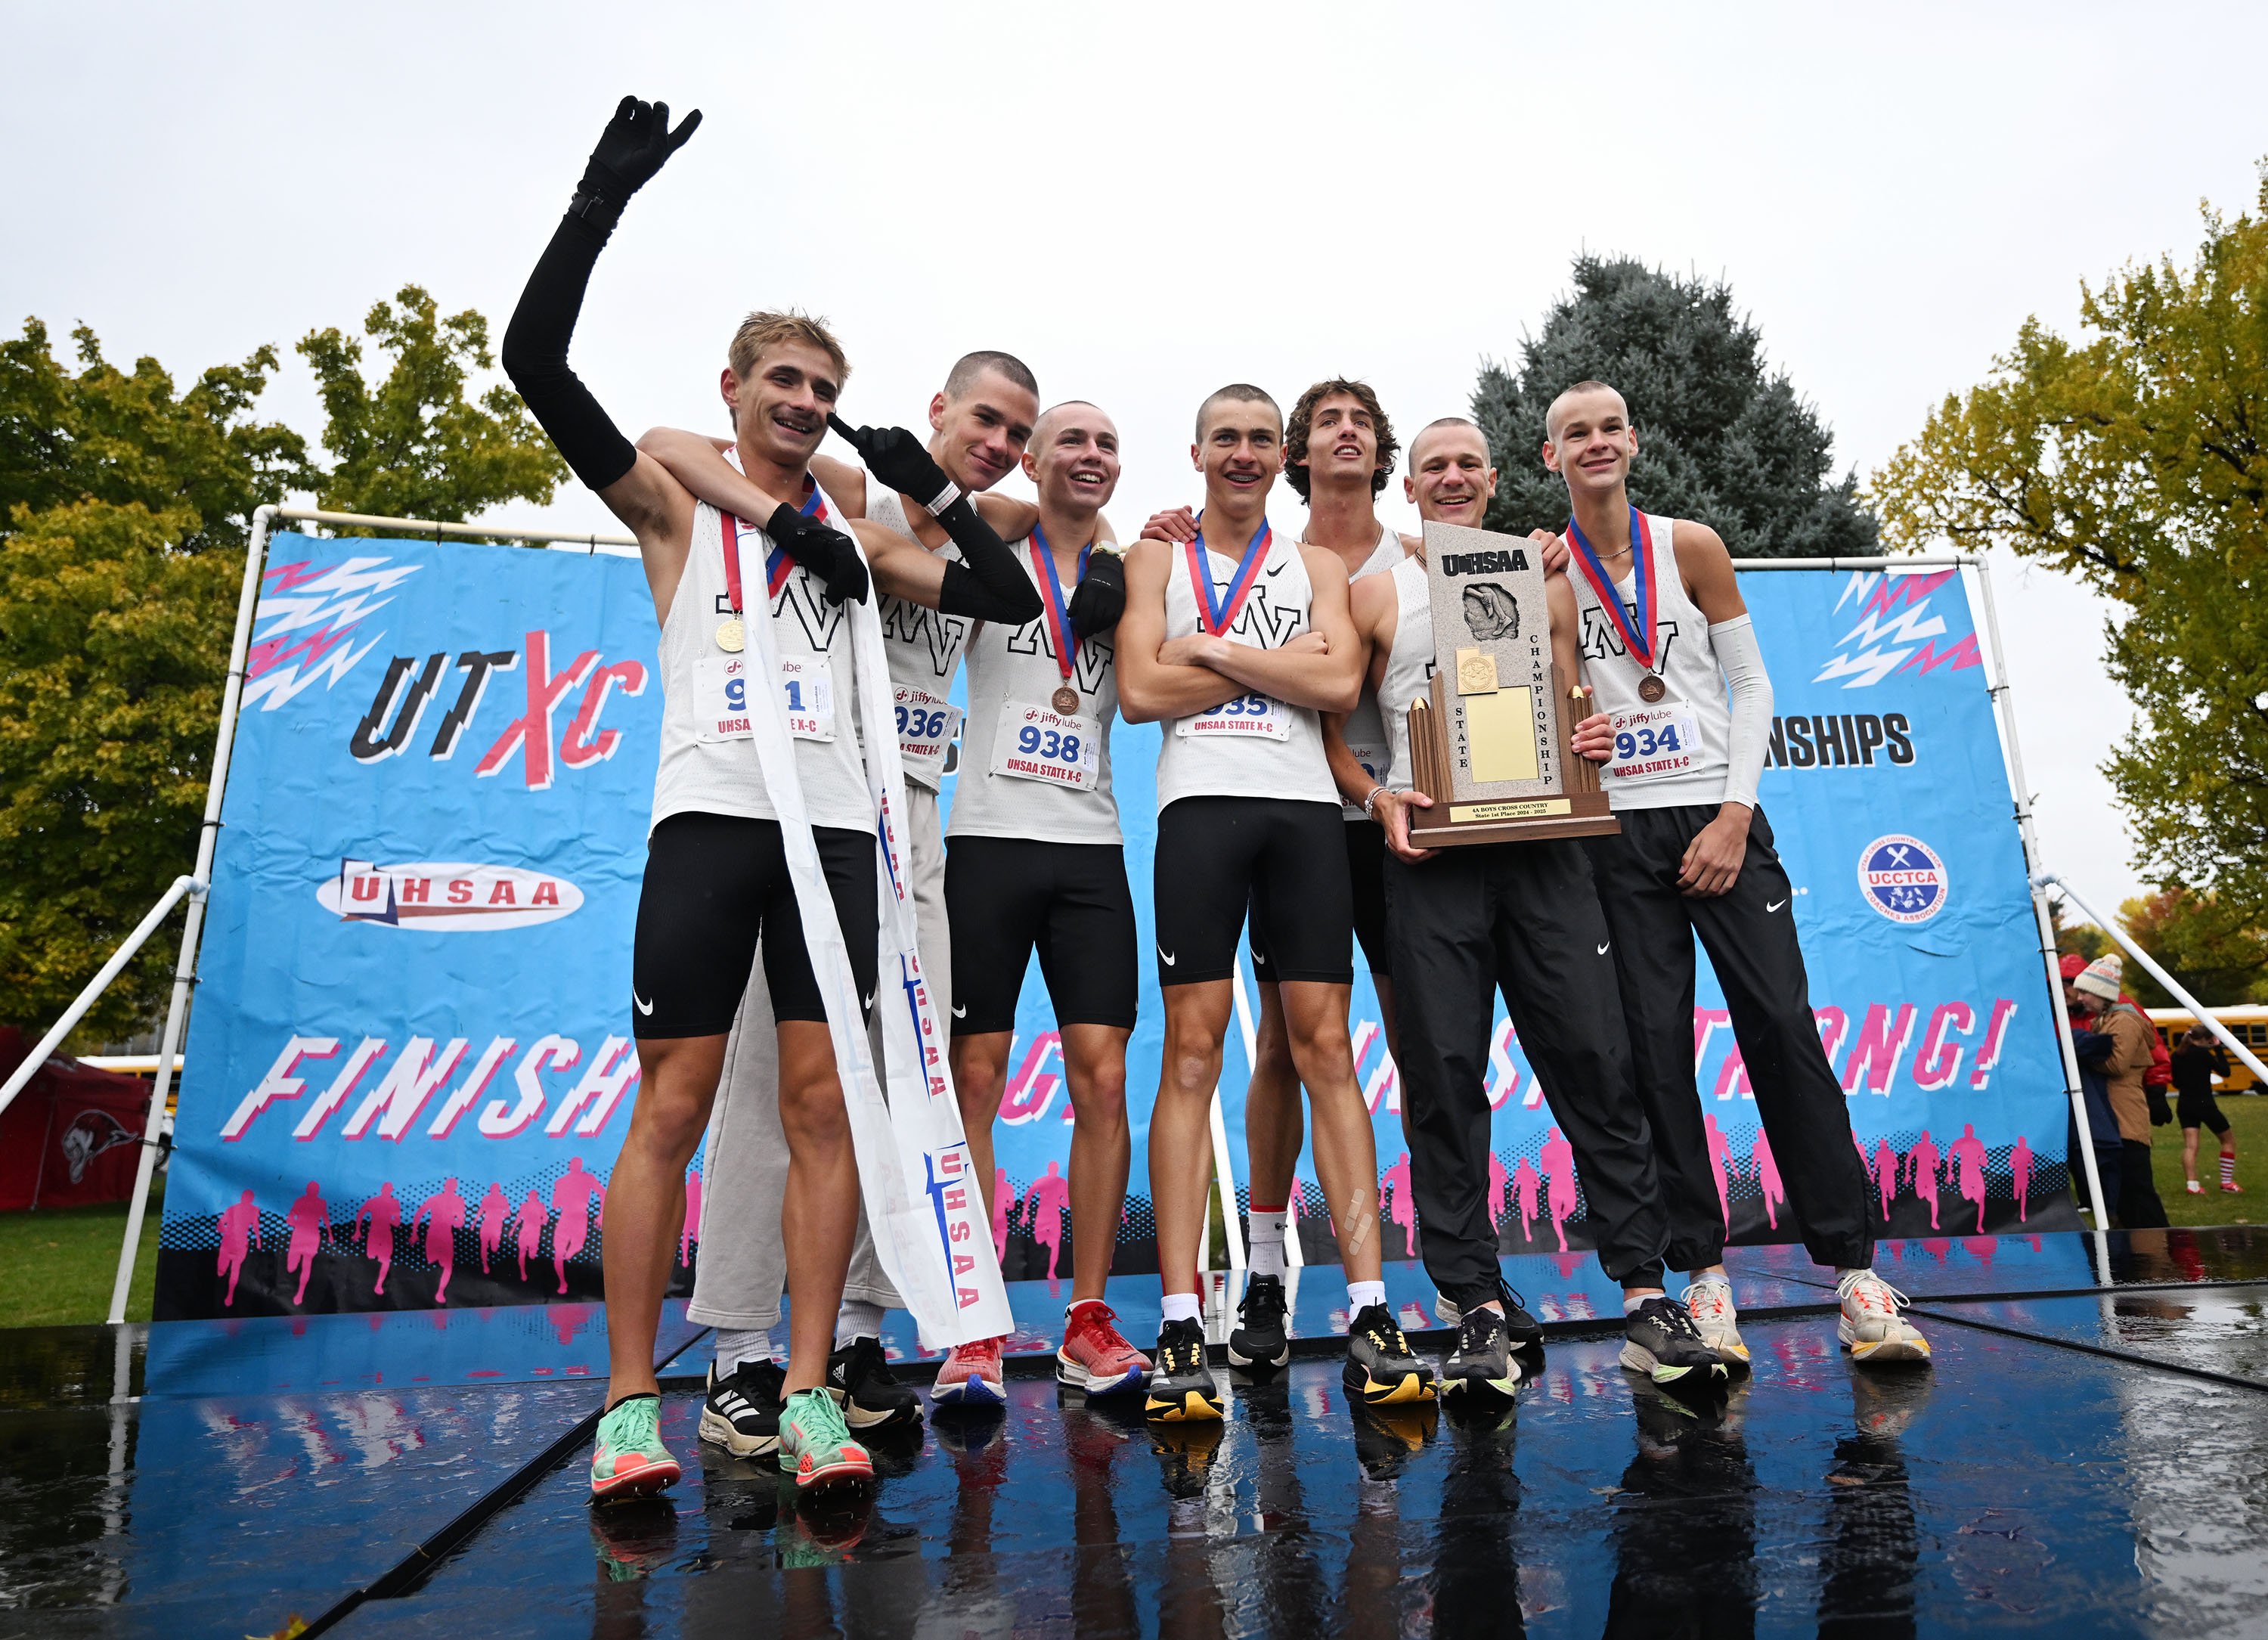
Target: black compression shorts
[(1366, 853), (714, 883), (1006, 897), (2200, 1110), (1286, 858)]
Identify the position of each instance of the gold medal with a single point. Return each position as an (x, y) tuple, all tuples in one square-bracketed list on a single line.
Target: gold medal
[(1651, 688), (1066, 699), (732, 636)]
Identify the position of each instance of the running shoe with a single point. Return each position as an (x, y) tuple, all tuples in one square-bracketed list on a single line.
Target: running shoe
[(1660, 1340), (741, 1411), (1482, 1364), (1181, 1387), (1709, 1301), (2195, 1189), (1258, 1339), (1871, 1329), (859, 1377), (1094, 1357), (631, 1461), (815, 1445), (1381, 1371), (972, 1375)]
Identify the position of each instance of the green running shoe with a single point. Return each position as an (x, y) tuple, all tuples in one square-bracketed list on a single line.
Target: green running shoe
[(815, 1444), (631, 1461)]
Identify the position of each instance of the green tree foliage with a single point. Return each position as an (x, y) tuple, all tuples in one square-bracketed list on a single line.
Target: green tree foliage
[(2133, 459), (1721, 438), (2217, 958), (415, 446)]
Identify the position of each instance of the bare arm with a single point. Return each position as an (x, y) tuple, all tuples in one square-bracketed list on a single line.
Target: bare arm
[(1324, 679), (1706, 568), (1149, 688), (697, 462)]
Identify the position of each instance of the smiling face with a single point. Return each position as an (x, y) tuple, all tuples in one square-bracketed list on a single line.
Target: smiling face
[(980, 434), (779, 408), (1074, 458), (1450, 479), (1589, 440), (1240, 449)]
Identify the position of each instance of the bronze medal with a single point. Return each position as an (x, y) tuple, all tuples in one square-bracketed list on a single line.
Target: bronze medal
[(1651, 688), (732, 636), (1065, 700)]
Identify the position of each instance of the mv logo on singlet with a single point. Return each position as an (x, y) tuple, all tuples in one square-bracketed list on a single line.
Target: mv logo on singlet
[(1268, 624), (1601, 639), (1089, 666), (910, 624)]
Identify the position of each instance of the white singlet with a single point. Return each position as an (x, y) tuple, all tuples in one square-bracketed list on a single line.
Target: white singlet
[(1409, 669), (1254, 746), (924, 651), (706, 769), (1014, 785), (1364, 732), (1696, 702)]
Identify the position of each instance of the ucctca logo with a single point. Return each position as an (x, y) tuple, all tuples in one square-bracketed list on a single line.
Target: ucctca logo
[(1902, 878), (447, 898)]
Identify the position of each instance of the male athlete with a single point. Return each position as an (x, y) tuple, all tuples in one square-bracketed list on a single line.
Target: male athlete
[(1520, 918), (980, 422), (718, 874), (1670, 649), (1241, 640), (1338, 451), (1038, 862)]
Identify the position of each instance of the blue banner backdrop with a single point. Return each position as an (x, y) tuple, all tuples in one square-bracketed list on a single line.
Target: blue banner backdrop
[(410, 1063)]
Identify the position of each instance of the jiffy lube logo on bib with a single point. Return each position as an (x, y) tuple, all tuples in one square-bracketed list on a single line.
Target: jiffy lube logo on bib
[(447, 898), (1902, 878)]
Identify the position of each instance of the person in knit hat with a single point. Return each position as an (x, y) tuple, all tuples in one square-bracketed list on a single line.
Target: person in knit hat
[(2123, 1065)]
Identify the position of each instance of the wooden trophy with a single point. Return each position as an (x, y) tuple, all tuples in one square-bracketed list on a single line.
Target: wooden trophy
[(1492, 743)]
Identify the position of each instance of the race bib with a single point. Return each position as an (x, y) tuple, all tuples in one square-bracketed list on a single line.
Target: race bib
[(1653, 743), (926, 727), (1039, 743), (1373, 758), (720, 697), (1246, 717)]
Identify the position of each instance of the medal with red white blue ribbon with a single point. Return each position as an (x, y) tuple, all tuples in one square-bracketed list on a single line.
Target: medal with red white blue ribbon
[(1065, 699), (732, 635), (1637, 635), (1217, 614)]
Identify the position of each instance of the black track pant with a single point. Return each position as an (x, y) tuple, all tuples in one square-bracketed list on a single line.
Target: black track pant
[(1749, 935), (1520, 917)]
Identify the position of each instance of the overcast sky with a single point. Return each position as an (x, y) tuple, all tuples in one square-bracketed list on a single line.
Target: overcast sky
[(1146, 201)]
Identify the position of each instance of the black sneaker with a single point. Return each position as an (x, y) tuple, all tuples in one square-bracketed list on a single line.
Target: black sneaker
[(1660, 1340), (1181, 1390), (1524, 1330), (1482, 1364), (1259, 1339), (1381, 1369), (743, 1411), (858, 1377)]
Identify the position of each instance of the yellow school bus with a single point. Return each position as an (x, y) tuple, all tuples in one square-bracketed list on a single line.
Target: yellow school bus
[(2247, 1022)]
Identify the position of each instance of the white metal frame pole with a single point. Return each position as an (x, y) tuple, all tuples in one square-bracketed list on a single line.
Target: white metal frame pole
[(247, 601)]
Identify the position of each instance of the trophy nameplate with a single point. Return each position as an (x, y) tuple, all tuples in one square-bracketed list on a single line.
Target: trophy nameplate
[(1491, 745)]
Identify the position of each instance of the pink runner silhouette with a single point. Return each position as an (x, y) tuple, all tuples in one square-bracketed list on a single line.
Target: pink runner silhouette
[(1525, 1183), (1558, 1159), (1498, 1179), (1043, 1210), (1720, 1155), (310, 1219), (240, 1227), (533, 1218), (1768, 1178), (1404, 1209), (494, 1209), (443, 1213), (2020, 1164), (688, 1238), (1002, 1197), (1885, 1171), (570, 1198), (377, 1221), (1923, 1162), (1969, 1170)]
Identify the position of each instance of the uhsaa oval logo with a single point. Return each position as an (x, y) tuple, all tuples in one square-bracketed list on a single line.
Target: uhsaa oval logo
[(447, 897), (1902, 878)]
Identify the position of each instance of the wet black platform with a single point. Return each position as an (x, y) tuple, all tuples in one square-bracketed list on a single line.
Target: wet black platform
[(2087, 1455)]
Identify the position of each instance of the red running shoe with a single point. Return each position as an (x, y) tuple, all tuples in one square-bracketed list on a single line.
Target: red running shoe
[(971, 1376), (1095, 1358)]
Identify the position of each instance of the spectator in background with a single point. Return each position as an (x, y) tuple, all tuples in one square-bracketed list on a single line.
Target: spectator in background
[(2196, 1063), (2090, 1046), (2123, 1063)]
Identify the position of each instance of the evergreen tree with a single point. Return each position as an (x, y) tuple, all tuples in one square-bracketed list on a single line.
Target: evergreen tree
[(1720, 440)]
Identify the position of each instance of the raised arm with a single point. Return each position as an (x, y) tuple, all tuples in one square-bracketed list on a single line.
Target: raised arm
[(1149, 688), (991, 585), (1325, 676)]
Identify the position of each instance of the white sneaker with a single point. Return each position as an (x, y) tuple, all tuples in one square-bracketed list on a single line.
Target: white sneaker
[(1871, 1329), (1709, 1301)]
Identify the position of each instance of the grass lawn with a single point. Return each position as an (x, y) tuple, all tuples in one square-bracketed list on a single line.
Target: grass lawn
[(56, 1265), (2247, 1125)]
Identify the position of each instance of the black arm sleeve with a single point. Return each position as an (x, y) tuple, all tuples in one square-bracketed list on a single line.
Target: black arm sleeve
[(536, 358), (991, 585)]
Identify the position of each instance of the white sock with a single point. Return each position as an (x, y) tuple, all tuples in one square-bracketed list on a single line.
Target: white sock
[(1178, 1307), (1631, 1300), (735, 1345), (1267, 1250), (1362, 1295), (856, 1318)]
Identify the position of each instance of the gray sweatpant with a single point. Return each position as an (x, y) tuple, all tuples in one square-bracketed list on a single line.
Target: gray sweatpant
[(742, 1270)]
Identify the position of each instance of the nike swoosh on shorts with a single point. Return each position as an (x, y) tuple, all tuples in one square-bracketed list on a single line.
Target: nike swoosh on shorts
[(1775, 905), (960, 1013), (1165, 957), (643, 1007), (1602, 949)]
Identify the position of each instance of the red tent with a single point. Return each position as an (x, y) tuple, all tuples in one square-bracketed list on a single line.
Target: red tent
[(73, 1136)]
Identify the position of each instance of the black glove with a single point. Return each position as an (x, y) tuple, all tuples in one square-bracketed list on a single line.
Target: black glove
[(896, 457), (636, 143), (1100, 596), (825, 551)]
